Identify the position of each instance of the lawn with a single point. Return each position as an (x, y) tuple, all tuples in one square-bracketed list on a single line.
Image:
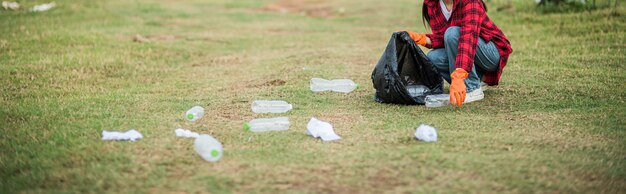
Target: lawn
[(555, 124)]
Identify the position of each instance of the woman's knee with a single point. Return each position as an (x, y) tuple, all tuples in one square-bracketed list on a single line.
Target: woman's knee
[(452, 34)]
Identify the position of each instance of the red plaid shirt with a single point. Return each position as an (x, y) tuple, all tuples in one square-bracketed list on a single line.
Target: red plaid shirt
[(472, 18)]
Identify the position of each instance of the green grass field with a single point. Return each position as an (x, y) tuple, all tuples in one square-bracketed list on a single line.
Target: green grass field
[(555, 124)]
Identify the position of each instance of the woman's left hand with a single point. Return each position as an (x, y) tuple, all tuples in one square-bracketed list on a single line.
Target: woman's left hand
[(419, 38)]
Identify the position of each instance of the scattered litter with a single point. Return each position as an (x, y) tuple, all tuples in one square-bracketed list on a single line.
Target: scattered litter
[(337, 85), (269, 124), (321, 129), (208, 148), (437, 100), (43, 7), (270, 106), (426, 133), (186, 133), (194, 113), (116, 135), (10, 5)]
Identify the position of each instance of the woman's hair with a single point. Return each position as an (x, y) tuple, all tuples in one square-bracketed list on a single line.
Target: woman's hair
[(426, 17)]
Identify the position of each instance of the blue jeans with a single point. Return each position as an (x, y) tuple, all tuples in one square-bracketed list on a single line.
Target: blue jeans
[(487, 58)]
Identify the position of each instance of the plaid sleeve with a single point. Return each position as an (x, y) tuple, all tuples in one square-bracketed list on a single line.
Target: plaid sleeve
[(436, 41), (473, 14)]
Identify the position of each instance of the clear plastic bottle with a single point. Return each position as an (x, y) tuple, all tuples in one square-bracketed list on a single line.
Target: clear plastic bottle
[(337, 85), (268, 124), (208, 148), (417, 90), (270, 106), (438, 100), (194, 113)]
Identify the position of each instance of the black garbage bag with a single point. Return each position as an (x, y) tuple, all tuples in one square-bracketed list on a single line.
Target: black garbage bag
[(403, 74)]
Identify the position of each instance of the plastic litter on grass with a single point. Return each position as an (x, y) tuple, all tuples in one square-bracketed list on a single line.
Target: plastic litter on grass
[(426, 133), (194, 113), (267, 124), (43, 7), (208, 148), (321, 129), (336, 85), (270, 106), (10, 5), (186, 133), (131, 135)]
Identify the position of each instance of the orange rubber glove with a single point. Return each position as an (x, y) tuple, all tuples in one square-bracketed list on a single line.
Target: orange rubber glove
[(418, 38), (457, 87)]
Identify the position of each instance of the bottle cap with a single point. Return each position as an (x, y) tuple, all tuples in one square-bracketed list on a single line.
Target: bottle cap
[(214, 153), (246, 126), (357, 86), (190, 116)]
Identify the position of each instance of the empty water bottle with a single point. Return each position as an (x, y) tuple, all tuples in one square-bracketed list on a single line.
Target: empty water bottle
[(194, 113), (269, 124), (337, 85), (208, 148), (417, 90), (270, 106), (438, 100)]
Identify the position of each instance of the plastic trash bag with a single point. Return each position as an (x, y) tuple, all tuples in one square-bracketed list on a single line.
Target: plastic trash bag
[(403, 74)]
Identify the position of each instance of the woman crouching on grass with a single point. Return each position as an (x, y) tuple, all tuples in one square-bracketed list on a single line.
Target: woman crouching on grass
[(467, 47)]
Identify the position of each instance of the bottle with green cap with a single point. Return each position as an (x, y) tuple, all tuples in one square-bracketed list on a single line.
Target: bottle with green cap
[(208, 148), (267, 124), (337, 85), (194, 113)]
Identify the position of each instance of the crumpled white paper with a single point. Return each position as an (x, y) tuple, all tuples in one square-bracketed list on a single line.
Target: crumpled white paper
[(43, 7), (116, 135), (186, 133), (10, 5), (426, 133), (321, 129)]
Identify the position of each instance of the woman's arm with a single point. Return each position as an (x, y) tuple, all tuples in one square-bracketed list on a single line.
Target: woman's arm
[(434, 41), (473, 14)]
